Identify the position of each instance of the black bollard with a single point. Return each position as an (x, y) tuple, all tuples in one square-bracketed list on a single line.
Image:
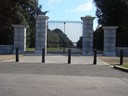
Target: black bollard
[(69, 56), (121, 57), (17, 54), (43, 55), (95, 57)]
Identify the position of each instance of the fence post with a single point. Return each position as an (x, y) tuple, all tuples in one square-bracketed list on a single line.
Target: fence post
[(121, 57), (95, 57), (17, 54), (69, 56), (43, 55)]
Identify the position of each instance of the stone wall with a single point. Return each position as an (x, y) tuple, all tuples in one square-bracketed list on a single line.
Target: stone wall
[(6, 49), (125, 50)]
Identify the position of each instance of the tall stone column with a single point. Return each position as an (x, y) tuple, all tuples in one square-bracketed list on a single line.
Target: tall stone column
[(41, 33), (87, 45), (109, 40), (20, 38)]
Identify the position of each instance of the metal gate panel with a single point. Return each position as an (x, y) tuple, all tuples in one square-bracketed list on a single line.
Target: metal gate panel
[(64, 35)]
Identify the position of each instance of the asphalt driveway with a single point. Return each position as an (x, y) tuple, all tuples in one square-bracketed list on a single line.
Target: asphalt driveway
[(37, 79)]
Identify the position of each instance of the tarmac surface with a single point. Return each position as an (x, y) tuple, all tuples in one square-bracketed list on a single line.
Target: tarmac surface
[(30, 77), (56, 59)]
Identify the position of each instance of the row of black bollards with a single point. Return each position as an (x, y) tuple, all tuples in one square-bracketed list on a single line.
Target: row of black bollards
[(17, 55), (69, 56), (121, 57), (43, 55)]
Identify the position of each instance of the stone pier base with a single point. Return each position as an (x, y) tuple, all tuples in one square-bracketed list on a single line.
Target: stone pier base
[(87, 45), (41, 34), (109, 40)]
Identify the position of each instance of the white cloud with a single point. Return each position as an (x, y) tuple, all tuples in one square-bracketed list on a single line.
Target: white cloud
[(51, 2), (82, 8)]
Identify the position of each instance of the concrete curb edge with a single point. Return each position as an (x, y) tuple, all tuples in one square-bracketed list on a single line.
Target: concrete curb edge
[(120, 68)]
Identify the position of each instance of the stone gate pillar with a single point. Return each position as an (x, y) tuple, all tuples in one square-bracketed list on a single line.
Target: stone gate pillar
[(20, 38), (87, 45), (41, 33), (109, 40)]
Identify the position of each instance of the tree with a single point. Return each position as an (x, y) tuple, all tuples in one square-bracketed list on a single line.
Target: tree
[(114, 13), (98, 39), (66, 42), (17, 12), (79, 42), (52, 39), (57, 38), (7, 7)]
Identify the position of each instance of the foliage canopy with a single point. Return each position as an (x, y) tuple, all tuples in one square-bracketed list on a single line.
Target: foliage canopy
[(114, 13)]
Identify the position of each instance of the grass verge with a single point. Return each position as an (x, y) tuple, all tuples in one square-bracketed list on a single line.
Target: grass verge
[(125, 65), (54, 49), (49, 49), (30, 49)]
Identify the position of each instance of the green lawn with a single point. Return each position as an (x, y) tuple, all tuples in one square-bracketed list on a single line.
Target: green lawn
[(30, 49), (49, 49), (54, 49), (125, 65)]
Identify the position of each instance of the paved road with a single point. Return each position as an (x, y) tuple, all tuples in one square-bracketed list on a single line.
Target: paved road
[(37, 79), (56, 59)]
